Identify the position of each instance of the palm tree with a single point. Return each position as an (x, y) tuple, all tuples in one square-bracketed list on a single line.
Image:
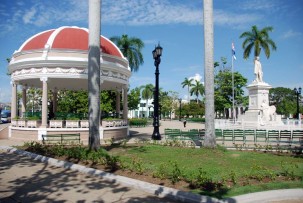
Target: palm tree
[(187, 82), (147, 93), (131, 49), (197, 89), (257, 39), (210, 138), (94, 74)]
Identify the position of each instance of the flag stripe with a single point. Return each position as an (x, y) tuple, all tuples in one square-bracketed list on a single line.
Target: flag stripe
[(233, 50)]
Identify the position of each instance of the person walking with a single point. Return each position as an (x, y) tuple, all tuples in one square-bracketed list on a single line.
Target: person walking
[(184, 122)]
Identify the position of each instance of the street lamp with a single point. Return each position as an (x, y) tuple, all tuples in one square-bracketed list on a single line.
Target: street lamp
[(180, 100), (298, 93), (157, 52)]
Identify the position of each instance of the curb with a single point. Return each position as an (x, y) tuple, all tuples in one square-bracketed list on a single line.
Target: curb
[(270, 196), (154, 189)]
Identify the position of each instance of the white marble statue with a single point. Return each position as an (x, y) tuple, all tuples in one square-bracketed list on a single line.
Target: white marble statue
[(268, 113), (258, 70), (264, 111)]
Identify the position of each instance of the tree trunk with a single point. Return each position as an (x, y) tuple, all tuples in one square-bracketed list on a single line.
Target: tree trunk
[(94, 74), (188, 95), (210, 138)]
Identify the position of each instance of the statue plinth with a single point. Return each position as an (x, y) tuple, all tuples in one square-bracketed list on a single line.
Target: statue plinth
[(258, 95), (259, 112)]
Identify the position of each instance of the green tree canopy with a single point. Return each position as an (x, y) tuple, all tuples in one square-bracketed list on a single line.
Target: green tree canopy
[(284, 99), (187, 82), (168, 101), (257, 39), (147, 93), (197, 89), (134, 99), (131, 47), (193, 109), (223, 90)]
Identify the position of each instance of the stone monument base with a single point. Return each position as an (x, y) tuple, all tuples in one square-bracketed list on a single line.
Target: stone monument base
[(259, 112)]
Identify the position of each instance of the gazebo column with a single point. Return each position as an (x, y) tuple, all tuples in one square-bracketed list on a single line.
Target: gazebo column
[(118, 103), (24, 88), (14, 100), (44, 102), (55, 98), (125, 107)]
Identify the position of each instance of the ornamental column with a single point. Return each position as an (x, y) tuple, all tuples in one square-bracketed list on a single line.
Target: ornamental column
[(55, 98), (125, 107), (23, 100), (14, 100), (118, 103), (44, 102)]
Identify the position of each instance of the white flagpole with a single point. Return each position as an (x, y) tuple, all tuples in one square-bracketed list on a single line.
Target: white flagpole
[(233, 89)]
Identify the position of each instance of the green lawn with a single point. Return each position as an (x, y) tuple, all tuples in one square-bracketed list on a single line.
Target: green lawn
[(244, 171), (215, 172)]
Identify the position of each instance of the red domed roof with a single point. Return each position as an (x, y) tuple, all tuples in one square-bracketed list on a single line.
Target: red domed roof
[(67, 38)]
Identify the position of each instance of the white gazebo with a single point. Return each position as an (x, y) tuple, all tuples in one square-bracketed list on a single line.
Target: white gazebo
[(57, 59)]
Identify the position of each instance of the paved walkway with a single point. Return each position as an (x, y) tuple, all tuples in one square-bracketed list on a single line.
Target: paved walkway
[(23, 179)]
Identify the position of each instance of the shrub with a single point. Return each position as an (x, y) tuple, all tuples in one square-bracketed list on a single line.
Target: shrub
[(161, 172), (176, 173), (198, 120), (137, 166), (33, 118), (138, 122), (112, 162), (35, 147)]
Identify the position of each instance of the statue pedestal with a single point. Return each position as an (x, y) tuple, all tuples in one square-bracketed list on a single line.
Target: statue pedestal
[(258, 95), (259, 112)]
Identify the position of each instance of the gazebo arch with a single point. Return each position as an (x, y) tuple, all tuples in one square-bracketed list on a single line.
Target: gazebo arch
[(57, 59)]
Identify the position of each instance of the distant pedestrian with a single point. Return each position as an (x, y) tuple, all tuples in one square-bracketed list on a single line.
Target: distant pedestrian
[(184, 122)]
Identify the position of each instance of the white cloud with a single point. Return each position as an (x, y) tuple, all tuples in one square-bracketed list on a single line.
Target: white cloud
[(145, 12), (221, 17), (29, 15), (258, 5), (119, 12), (290, 34), (196, 77)]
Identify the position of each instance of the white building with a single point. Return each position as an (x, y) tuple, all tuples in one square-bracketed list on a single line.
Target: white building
[(145, 110)]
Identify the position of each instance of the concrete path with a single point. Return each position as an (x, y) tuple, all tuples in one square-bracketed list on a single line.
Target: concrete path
[(25, 180)]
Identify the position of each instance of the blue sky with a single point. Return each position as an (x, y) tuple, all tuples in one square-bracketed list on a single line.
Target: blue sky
[(177, 25)]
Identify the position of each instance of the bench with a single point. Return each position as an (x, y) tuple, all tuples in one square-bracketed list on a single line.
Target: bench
[(61, 138)]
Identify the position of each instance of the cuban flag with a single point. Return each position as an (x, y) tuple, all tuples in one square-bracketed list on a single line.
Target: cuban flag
[(233, 51)]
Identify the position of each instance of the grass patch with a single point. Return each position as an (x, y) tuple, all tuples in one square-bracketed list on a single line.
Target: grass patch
[(215, 172)]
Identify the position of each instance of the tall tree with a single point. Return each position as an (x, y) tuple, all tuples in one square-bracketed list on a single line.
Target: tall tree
[(284, 99), (134, 99), (223, 90), (210, 138), (147, 93), (94, 73), (187, 82), (131, 48), (197, 89), (169, 102), (257, 39)]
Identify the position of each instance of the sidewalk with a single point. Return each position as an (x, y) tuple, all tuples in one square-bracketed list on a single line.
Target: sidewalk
[(23, 179)]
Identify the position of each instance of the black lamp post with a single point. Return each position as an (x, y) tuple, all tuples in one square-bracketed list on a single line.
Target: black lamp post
[(157, 52), (298, 93), (180, 101)]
